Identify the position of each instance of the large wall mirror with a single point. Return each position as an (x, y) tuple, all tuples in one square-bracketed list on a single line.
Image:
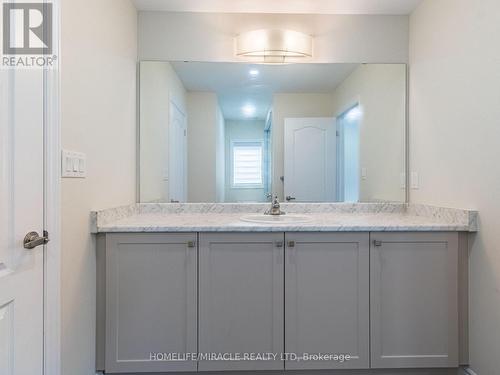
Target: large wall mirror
[(236, 132)]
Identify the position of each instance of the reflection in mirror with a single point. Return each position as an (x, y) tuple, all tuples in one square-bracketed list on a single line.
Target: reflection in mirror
[(234, 132)]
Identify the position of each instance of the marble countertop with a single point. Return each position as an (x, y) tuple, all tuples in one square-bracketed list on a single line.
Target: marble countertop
[(324, 218)]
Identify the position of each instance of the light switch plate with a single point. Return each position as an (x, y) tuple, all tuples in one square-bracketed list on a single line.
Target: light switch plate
[(73, 164), (364, 173)]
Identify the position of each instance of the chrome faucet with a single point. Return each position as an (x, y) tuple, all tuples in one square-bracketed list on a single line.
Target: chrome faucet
[(275, 209)]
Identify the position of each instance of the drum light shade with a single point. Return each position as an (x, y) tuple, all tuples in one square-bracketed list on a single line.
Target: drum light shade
[(273, 46)]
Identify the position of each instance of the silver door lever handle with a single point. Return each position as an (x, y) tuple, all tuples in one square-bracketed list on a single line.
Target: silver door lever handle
[(289, 198), (32, 240)]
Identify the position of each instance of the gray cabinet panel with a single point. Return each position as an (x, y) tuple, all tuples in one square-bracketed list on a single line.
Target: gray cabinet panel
[(241, 298), (414, 307), (151, 302), (327, 298)]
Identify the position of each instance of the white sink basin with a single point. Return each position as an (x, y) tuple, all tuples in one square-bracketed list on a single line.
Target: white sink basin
[(278, 219)]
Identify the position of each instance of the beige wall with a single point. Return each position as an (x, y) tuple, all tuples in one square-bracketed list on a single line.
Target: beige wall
[(293, 105), (159, 85), (209, 36), (455, 133), (202, 141), (98, 68), (380, 90)]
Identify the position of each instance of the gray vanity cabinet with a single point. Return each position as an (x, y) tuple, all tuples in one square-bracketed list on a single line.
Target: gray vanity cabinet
[(151, 301), (241, 298), (414, 306), (327, 298), (388, 300)]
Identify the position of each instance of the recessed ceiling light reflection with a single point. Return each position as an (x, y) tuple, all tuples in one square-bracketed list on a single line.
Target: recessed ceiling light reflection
[(253, 73), (248, 110)]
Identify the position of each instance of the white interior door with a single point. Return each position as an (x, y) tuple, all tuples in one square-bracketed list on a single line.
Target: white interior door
[(21, 211), (310, 159), (177, 160)]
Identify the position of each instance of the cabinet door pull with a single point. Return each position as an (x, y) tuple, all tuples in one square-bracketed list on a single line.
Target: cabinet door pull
[(291, 243), (191, 244), (279, 253), (377, 243)]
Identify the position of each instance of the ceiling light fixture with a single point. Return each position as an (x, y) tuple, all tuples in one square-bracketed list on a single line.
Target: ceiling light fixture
[(274, 46), (253, 72)]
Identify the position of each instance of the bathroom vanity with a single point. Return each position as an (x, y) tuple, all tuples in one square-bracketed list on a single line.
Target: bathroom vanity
[(347, 288), (385, 284)]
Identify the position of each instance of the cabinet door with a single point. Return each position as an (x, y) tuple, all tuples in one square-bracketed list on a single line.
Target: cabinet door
[(151, 302), (327, 299), (414, 311), (241, 299)]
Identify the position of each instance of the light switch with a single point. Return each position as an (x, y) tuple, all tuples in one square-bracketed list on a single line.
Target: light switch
[(73, 164), (68, 166), (363, 173), (81, 165), (76, 164)]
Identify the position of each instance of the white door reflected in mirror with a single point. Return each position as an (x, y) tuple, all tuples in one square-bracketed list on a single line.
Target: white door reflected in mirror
[(177, 155), (310, 159)]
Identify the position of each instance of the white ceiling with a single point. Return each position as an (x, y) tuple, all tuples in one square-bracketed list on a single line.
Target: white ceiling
[(387, 7), (236, 88)]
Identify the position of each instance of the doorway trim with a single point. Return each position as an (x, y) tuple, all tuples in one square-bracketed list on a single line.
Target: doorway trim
[(52, 206)]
